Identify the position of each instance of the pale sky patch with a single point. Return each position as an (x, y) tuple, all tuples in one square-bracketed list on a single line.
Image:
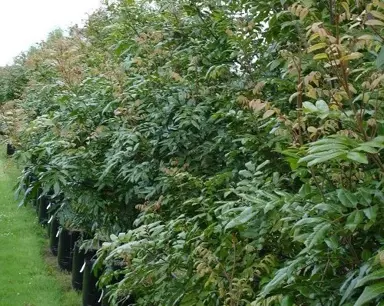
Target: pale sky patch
[(26, 22)]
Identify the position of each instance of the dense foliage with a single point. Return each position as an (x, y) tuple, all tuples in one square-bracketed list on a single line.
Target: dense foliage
[(226, 152), (12, 80)]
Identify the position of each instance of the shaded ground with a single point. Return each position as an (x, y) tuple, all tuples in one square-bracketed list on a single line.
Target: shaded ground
[(28, 274)]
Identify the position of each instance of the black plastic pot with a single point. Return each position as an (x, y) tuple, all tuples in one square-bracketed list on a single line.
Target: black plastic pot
[(67, 241), (10, 149), (36, 202), (49, 225), (53, 238), (49, 229), (77, 263), (42, 213), (51, 213), (91, 294)]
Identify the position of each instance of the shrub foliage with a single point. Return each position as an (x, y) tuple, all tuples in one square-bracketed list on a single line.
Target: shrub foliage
[(226, 152)]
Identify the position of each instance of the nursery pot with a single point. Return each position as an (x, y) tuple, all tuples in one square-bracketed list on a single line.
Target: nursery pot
[(78, 261), (36, 202), (49, 229), (53, 237), (77, 264), (51, 214), (91, 294), (10, 149), (49, 225), (42, 213), (67, 241)]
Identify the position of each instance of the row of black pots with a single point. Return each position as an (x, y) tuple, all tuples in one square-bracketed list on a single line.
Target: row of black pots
[(42, 209), (84, 261), (65, 244)]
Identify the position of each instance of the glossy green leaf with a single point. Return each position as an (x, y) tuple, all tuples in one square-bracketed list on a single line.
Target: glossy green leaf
[(347, 198), (370, 293), (358, 157), (379, 274)]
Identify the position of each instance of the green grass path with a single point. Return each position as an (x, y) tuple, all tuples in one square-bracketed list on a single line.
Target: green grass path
[(28, 275)]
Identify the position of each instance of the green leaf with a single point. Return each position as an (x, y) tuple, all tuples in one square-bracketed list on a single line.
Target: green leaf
[(332, 243), (56, 188), (346, 198), (307, 221), (309, 107), (320, 56), (317, 236), (318, 157), (274, 64), (277, 280), (327, 147), (270, 206), (308, 3), (325, 157), (352, 56), (322, 106), (377, 142), (335, 140), (374, 22), (379, 274), (366, 148), (245, 173), (365, 196), (345, 5), (358, 157), (349, 285), (366, 255), (250, 166), (354, 219), (328, 207), (263, 164), (317, 46), (312, 129), (246, 215), (371, 212), (377, 14), (370, 293), (287, 301)]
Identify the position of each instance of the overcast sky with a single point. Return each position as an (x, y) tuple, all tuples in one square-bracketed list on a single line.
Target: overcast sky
[(25, 22)]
